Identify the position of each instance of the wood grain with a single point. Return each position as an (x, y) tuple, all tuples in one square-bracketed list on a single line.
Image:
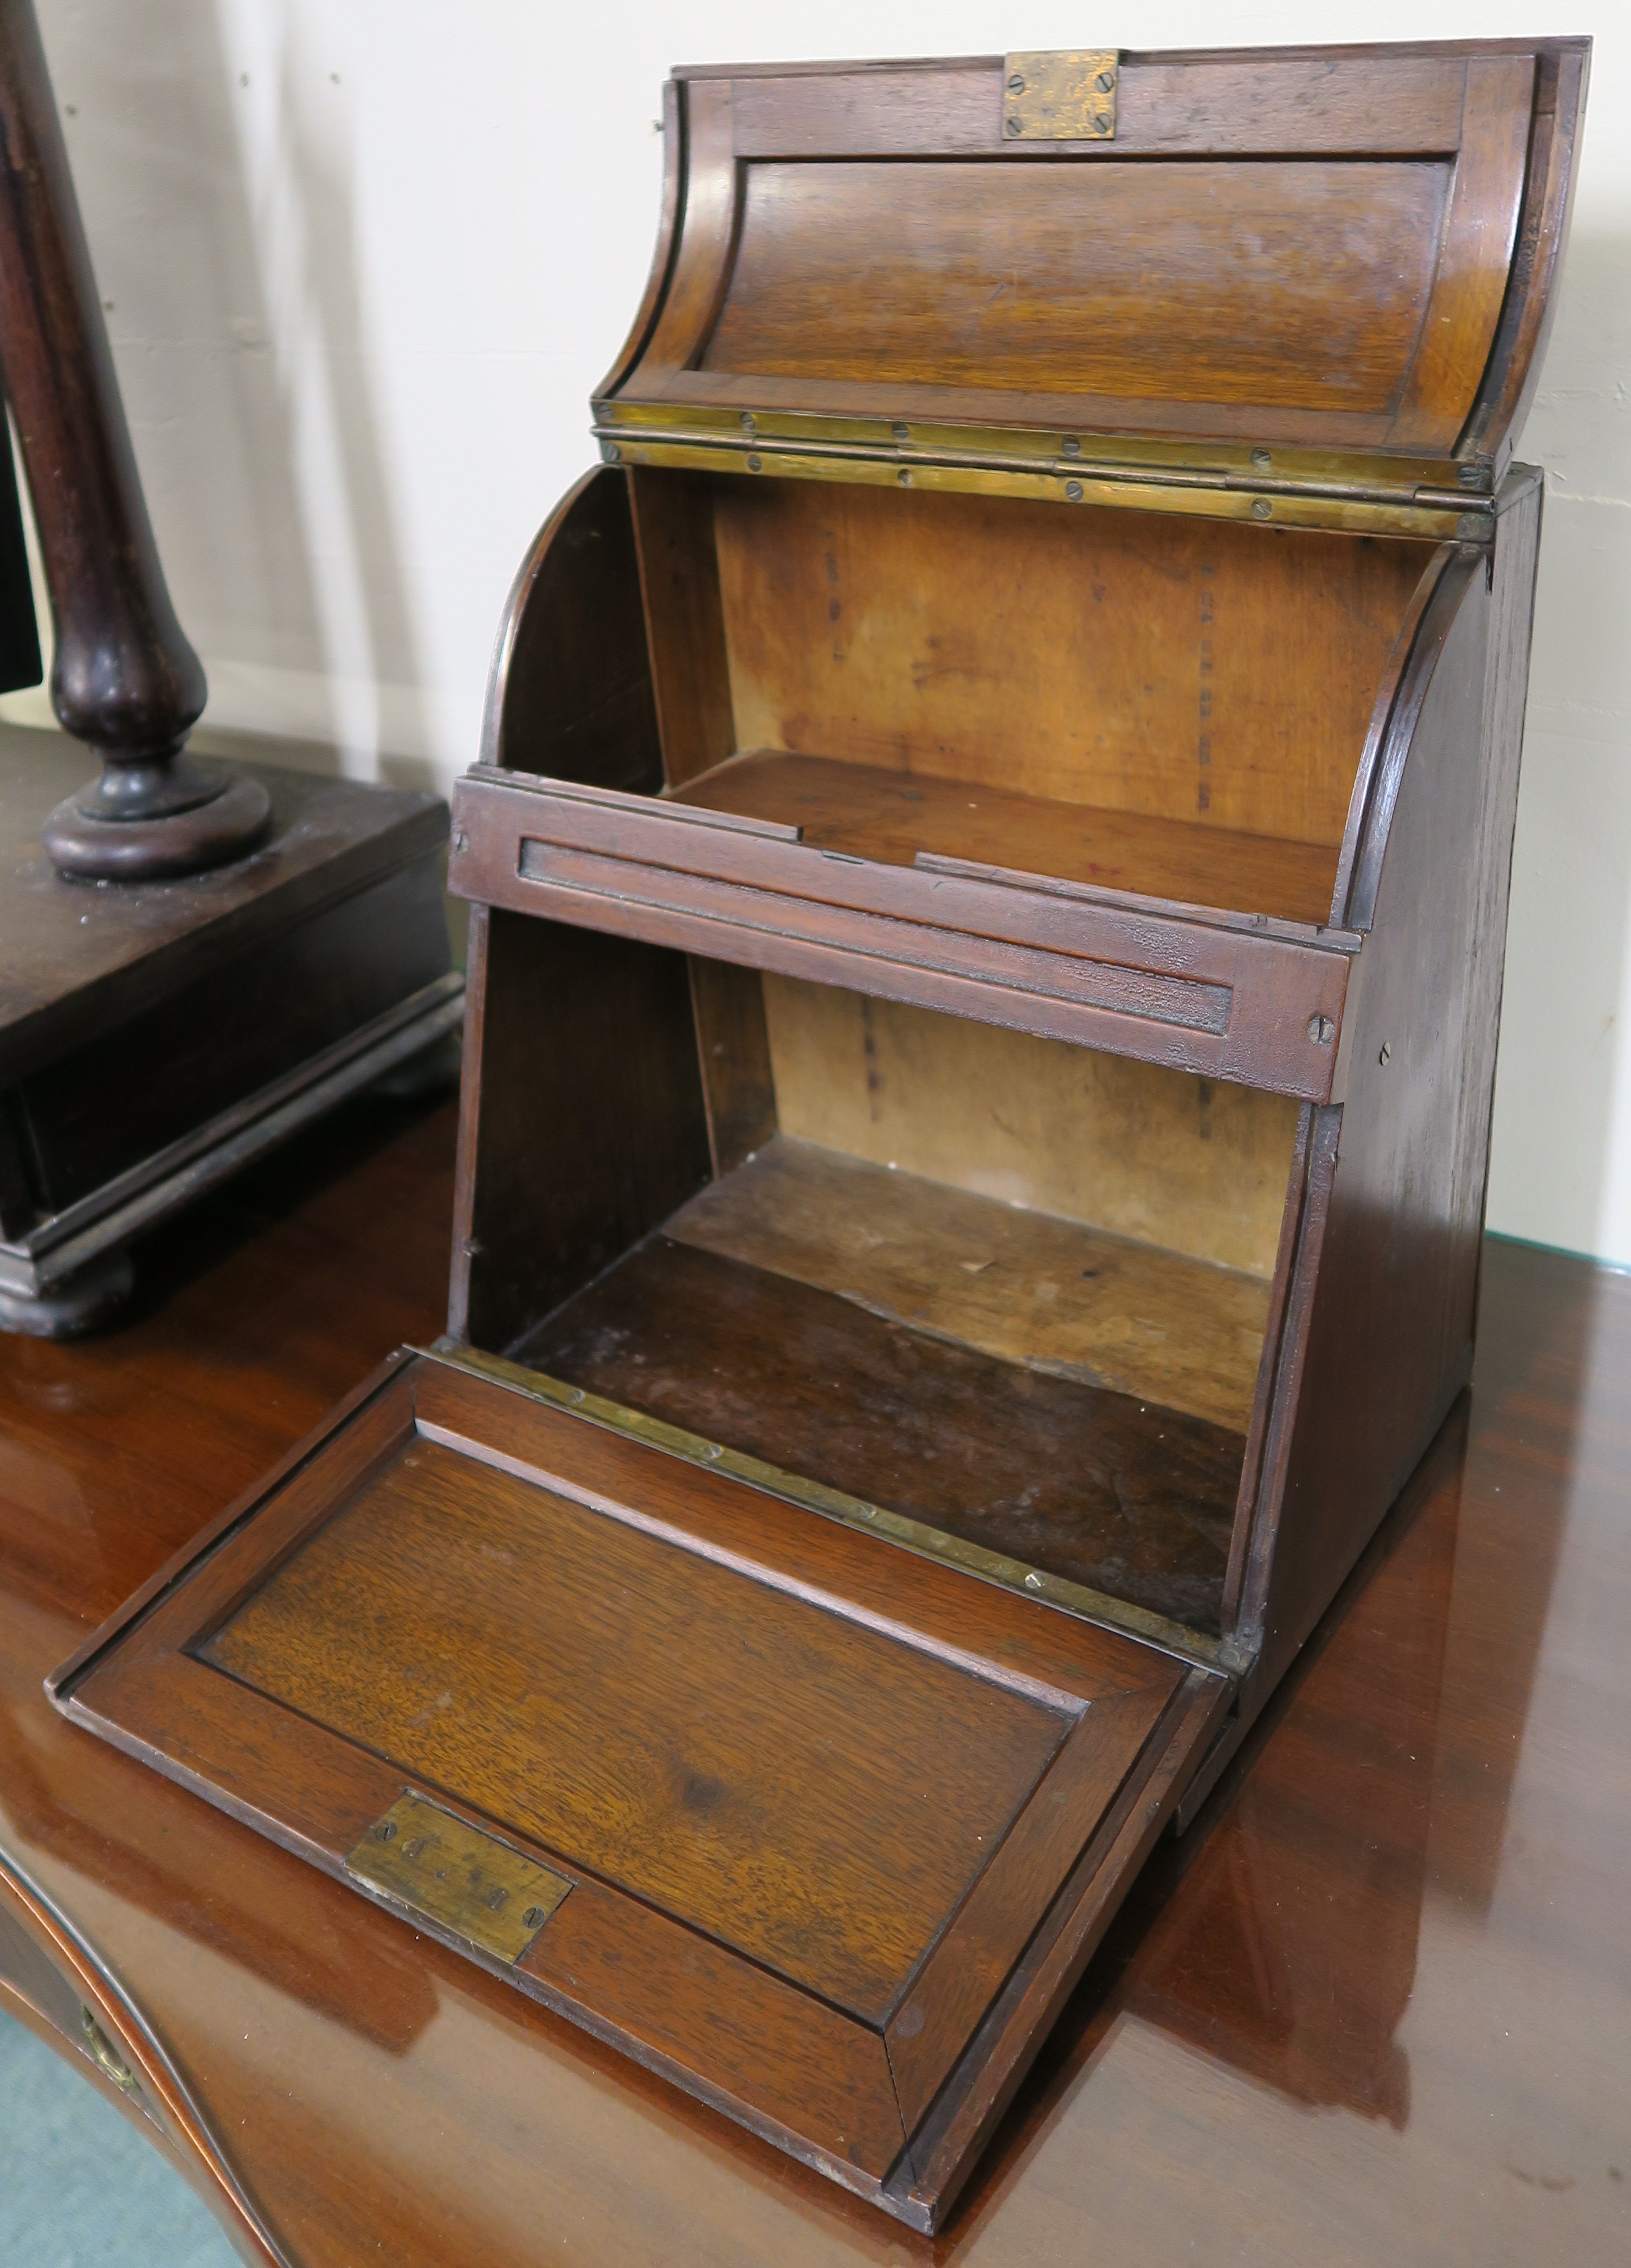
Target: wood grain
[(651, 1716), (570, 690), (1025, 1286), (587, 1138), (1290, 286), (1192, 1166), (1182, 670), (1123, 1497), (869, 812)]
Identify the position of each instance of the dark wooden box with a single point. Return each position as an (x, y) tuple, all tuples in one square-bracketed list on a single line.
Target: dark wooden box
[(989, 867)]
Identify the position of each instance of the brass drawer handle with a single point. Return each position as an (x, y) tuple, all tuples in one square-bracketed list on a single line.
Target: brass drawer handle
[(104, 2055)]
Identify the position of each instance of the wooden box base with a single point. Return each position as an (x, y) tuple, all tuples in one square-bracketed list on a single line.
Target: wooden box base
[(822, 1830), (155, 1036)]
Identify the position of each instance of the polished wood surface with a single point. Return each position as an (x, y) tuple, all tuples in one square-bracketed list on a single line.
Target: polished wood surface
[(1340, 249), (1064, 1300), (1127, 1498), (867, 812), (1375, 2005)]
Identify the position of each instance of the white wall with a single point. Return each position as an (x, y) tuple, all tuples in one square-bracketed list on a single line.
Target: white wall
[(366, 258)]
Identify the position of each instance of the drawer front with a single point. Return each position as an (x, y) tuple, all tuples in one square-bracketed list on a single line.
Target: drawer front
[(53, 1980)]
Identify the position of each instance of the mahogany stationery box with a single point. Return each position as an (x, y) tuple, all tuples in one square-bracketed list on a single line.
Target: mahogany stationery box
[(989, 866)]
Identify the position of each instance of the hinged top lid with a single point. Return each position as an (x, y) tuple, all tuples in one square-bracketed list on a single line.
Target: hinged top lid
[(1321, 269)]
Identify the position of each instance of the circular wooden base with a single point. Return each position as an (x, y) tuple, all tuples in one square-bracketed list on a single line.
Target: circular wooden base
[(148, 849), (77, 1304)]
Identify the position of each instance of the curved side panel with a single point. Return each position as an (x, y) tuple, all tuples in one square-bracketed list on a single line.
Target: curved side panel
[(57, 1977), (674, 177), (1514, 371), (570, 693), (1421, 640)]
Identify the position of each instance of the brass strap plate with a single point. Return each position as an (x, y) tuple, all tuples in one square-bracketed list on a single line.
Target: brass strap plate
[(423, 1858), (1062, 94)]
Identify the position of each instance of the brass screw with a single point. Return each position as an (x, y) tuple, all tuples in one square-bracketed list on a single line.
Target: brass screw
[(1014, 126), (1101, 126), (904, 476), (1261, 460), (610, 452), (1016, 85), (750, 423), (755, 464), (899, 432), (1469, 476), (387, 1829), (1261, 507), (1070, 447), (1105, 81), (534, 1917), (1073, 490)]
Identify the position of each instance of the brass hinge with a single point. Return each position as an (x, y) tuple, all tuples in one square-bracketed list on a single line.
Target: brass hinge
[(1061, 94)]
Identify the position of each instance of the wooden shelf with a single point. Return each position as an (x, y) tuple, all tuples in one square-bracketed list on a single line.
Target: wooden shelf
[(863, 811), (1225, 991), (1074, 1401)]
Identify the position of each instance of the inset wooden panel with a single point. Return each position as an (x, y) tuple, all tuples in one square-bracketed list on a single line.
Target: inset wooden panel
[(723, 1751), (1291, 285)]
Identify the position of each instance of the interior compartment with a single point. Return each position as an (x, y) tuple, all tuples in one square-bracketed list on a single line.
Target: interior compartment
[(1013, 1289), (1168, 706)]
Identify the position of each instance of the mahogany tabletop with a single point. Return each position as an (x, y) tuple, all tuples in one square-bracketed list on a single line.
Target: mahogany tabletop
[(1376, 2006)]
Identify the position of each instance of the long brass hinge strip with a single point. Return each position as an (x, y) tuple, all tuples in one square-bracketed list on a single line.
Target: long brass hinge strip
[(1441, 514), (1078, 1599)]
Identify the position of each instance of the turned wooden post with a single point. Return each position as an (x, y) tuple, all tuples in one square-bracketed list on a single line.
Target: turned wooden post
[(125, 680)]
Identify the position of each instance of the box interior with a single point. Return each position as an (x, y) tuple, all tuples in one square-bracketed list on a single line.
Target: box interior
[(1013, 1289), (1169, 706)]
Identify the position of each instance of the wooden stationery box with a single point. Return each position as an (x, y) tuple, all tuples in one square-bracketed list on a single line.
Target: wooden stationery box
[(989, 867)]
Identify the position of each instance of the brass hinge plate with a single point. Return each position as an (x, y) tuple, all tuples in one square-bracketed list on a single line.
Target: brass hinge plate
[(1061, 94), (470, 1883)]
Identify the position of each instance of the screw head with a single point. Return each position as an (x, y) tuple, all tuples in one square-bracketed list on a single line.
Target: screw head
[(534, 1917), (1105, 81), (1073, 490), (749, 422), (1385, 1054), (1013, 126), (1322, 1030), (610, 452), (386, 1830), (900, 432), (1261, 507), (1101, 126), (755, 464), (904, 476), (1261, 460), (1016, 85), (1070, 447)]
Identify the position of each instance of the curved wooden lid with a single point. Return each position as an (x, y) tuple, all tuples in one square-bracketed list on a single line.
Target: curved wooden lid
[(1327, 266)]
